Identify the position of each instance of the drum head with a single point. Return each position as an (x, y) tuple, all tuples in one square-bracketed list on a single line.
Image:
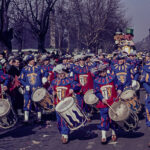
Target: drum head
[(64, 105), (122, 111), (4, 107), (127, 94), (91, 99), (38, 94)]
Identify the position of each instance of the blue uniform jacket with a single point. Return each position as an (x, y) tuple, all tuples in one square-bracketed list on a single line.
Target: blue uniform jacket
[(32, 76), (123, 74), (4, 78)]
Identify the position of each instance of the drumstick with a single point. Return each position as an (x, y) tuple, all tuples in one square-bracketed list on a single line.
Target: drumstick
[(112, 109), (117, 97), (2, 90)]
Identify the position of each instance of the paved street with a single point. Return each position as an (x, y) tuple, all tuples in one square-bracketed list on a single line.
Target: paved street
[(42, 137)]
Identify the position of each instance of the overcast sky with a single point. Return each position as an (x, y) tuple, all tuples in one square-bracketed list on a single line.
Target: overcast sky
[(139, 11)]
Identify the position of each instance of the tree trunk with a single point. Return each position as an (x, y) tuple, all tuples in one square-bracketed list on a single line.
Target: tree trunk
[(5, 40), (59, 39), (41, 44), (2, 45), (69, 40), (5, 34), (78, 38), (20, 43)]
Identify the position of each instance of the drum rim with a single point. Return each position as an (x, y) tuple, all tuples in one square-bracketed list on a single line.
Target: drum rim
[(63, 101), (8, 110), (35, 91), (138, 86)]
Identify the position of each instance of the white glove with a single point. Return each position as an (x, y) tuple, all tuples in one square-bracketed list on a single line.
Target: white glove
[(71, 74), (44, 80), (27, 88), (108, 71), (133, 83), (21, 91)]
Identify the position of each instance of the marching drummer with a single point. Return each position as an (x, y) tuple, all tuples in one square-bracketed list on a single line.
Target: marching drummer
[(62, 87), (105, 89), (82, 75), (31, 79)]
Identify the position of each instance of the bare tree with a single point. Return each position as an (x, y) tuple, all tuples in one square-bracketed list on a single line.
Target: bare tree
[(101, 18), (6, 34), (91, 24), (16, 21), (36, 13)]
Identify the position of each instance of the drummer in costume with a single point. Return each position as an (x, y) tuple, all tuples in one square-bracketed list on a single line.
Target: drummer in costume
[(135, 69), (31, 79), (89, 61), (47, 67), (122, 70), (134, 65), (106, 88), (66, 61), (114, 58), (145, 80), (62, 87), (83, 76)]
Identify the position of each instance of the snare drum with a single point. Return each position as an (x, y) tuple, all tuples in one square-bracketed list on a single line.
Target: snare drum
[(71, 113), (124, 117), (8, 117), (130, 98), (90, 98), (43, 98)]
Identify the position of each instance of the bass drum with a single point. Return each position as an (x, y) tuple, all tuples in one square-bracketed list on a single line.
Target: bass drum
[(43, 98), (8, 117), (71, 113), (123, 116)]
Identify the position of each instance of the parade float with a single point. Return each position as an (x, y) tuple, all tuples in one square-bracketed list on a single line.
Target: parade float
[(124, 41)]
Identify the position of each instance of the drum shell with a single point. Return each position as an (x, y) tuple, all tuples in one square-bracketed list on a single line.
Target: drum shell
[(134, 104), (130, 121), (73, 116), (9, 119), (9, 109), (46, 102)]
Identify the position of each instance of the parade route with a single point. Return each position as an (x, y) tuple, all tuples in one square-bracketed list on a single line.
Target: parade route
[(37, 137)]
